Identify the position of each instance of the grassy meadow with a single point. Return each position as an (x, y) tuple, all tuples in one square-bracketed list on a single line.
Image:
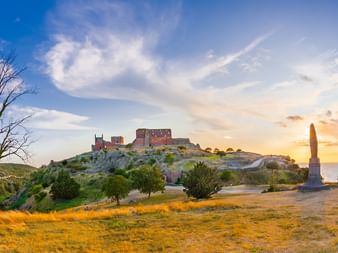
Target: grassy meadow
[(274, 222)]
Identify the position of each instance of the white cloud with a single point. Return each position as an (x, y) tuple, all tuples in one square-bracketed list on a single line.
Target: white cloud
[(253, 62), (95, 61), (50, 119)]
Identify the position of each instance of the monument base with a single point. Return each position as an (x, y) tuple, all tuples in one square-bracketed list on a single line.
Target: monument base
[(314, 181), (313, 188)]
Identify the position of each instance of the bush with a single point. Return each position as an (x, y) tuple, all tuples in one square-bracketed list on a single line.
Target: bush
[(121, 172), (64, 162), (230, 150), (129, 166), (182, 148), (65, 187), (202, 181), (169, 159), (35, 189), (76, 166), (40, 196), (226, 175), (148, 179), (117, 187), (151, 161)]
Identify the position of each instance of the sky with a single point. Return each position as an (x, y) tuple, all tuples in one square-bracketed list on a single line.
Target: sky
[(243, 74)]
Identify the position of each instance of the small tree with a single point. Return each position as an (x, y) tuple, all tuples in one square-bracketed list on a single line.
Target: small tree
[(230, 150), (65, 187), (202, 181), (148, 179), (216, 150), (208, 150), (273, 166), (221, 153), (226, 176), (116, 187)]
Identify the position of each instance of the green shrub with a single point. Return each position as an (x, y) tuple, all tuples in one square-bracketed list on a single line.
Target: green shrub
[(64, 162), (130, 166), (151, 161), (226, 176), (169, 158), (256, 177), (182, 148), (65, 187), (40, 196), (76, 166), (84, 159), (121, 172), (35, 189), (202, 181)]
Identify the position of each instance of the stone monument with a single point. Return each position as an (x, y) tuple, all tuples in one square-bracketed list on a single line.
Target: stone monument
[(314, 182)]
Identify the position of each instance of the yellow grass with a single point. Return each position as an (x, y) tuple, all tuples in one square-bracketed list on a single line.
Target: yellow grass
[(19, 216), (276, 222)]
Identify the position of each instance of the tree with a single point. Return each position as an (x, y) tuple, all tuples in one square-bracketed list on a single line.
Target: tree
[(65, 187), (14, 136), (221, 153), (208, 150), (216, 150), (148, 179), (202, 181), (273, 166), (117, 187), (230, 150)]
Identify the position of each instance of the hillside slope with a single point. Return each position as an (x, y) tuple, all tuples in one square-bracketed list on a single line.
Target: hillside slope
[(12, 176), (91, 169)]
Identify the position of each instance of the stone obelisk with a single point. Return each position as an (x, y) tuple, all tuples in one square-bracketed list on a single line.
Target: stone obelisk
[(314, 182)]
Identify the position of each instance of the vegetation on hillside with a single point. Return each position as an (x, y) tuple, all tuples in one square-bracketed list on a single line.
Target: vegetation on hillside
[(90, 170), (12, 177)]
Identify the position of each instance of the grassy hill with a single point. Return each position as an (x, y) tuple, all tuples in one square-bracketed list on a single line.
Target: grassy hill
[(274, 222), (12, 176), (91, 169)]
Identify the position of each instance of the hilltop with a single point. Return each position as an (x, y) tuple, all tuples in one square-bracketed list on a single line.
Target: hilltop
[(91, 169)]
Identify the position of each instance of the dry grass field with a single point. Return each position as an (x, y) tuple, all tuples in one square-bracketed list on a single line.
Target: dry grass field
[(274, 222)]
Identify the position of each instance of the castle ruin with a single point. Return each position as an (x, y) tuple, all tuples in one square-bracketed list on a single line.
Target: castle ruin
[(100, 143), (144, 138), (157, 137)]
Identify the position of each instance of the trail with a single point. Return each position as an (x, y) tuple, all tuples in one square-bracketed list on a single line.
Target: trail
[(10, 176)]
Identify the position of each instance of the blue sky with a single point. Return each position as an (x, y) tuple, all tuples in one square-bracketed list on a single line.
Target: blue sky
[(245, 74)]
